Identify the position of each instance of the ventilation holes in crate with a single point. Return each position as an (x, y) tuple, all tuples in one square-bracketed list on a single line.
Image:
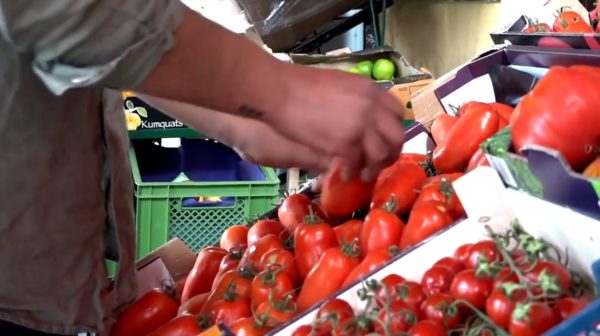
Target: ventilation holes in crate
[(202, 227)]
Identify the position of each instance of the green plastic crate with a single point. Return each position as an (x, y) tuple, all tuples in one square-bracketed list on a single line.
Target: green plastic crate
[(160, 215)]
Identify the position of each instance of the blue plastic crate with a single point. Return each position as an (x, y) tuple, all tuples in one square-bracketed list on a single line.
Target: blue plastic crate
[(587, 322)]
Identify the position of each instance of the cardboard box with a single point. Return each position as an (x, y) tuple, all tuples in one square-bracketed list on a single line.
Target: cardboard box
[(487, 202), (540, 171)]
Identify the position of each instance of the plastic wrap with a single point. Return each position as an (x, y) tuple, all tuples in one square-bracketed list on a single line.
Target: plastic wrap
[(270, 16)]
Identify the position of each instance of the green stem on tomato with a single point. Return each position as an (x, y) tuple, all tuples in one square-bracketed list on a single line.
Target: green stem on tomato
[(482, 316)]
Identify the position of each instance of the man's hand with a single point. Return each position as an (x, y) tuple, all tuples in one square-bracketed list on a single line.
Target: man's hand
[(342, 115)]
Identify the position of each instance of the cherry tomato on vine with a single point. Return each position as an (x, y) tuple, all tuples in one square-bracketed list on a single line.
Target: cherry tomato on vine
[(437, 280), (468, 287), (439, 308), (331, 314), (452, 264), (499, 306), (531, 319), (553, 272), (483, 250), (569, 306), (409, 292), (462, 253), (388, 288), (427, 328), (400, 318)]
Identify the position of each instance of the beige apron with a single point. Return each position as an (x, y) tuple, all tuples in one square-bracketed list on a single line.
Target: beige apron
[(65, 178)]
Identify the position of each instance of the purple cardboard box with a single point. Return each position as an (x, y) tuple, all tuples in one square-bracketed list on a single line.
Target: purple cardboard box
[(539, 171)]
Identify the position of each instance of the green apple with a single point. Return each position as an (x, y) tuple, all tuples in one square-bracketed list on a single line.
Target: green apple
[(384, 69), (365, 68)]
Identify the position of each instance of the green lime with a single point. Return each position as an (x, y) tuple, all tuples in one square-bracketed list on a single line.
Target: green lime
[(355, 70), (384, 69), (365, 68)]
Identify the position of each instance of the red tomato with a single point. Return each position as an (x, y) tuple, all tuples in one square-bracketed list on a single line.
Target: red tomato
[(294, 209), (537, 28), (372, 261), (283, 258), (462, 253), (341, 198), (534, 121), (467, 286), (551, 271), (400, 318), (464, 138), (437, 308), (264, 227), (450, 263), (471, 106), (427, 328), (239, 280), (441, 126), (567, 307), (382, 229), (312, 238), (305, 330), (180, 326), (234, 236), (248, 327), (326, 277), (437, 280), (256, 251), (424, 221), (403, 185), (194, 305), (506, 275), (478, 160), (483, 250), (271, 283), (203, 273), (331, 313), (531, 319), (346, 233), (229, 263), (145, 315), (277, 312), (388, 288), (230, 309), (179, 284), (503, 110), (410, 293), (499, 306), (443, 192), (569, 21)]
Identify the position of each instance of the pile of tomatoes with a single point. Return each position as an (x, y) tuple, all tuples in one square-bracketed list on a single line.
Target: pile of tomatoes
[(566, 21), (483, 289)]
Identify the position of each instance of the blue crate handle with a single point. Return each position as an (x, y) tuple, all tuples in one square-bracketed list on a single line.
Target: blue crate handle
[(192, 203)]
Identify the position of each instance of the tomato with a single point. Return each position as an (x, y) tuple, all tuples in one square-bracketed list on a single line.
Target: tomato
[(256, 251), (276, 312), (483, 250), (410, 293), (427, 328), (462, 253), (503, 110), (270, 284), (145, 315), (234, 236), (437, 280), (438, 307), (450, 263), (551, 277), (229, 263), (305, 330), (372, 261), (248, 327), (264, 227), (326, 277), (593, 170), (382, 229), (312, 238), (230, 309), (567, 307), (499, 306), (468, 287), (181, 326), (331, 314), (534, 121), (341, 198), (537, 28), (294, 209), (478, 160), (239, 280), (399, 318), (471, 106), (464, 138), (506, 275), (203, 273), (346, 233), (569, 21), (443, 192), (531, 319), (194, 305), (424, 221), (403, 185), (179, 284), (388, 288), (422, 160), (441, 126), (283, 258)]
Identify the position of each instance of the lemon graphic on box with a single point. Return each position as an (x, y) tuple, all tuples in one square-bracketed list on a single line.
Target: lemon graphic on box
[(133, 115)]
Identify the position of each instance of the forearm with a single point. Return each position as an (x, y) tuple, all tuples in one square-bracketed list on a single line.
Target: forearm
[(212, 67)]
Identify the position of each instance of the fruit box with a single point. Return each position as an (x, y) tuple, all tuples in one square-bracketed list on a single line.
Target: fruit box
[(407, 79), (488, 202), (505, 75)]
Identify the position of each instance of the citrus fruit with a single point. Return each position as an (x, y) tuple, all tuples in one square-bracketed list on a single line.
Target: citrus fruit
[(365, 68), (384, 69)]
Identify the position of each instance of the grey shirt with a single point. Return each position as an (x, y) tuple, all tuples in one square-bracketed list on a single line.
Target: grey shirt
[(64, 171)]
